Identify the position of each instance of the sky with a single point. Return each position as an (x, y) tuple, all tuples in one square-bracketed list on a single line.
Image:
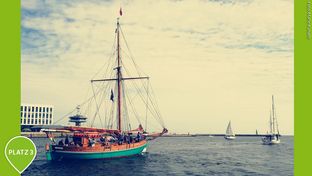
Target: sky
[(210, 61)]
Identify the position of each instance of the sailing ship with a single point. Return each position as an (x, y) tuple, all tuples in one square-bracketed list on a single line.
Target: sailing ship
[(229, 135), (273, 137), (115, 138)]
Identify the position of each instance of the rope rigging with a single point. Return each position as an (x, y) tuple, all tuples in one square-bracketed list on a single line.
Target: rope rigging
[(106, 108)]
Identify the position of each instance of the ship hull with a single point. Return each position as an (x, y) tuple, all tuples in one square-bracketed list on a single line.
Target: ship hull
[(270, 140), (59, 155), (229, 137)]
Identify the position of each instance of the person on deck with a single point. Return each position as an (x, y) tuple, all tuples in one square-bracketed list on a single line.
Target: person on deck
[(138, 137), (124, 138), (120, 138), (130, 138), (91, 142), (111, 140), (127, 139), (61, 142), (66, 140), (106, 141), (102, 140)]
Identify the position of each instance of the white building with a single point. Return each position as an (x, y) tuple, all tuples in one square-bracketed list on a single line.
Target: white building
[(34, 114)]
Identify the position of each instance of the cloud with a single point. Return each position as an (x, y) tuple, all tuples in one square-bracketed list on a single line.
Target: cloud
[(223, 51)]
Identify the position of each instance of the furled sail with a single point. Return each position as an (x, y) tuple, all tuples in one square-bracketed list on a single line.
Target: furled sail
[(121, 96)]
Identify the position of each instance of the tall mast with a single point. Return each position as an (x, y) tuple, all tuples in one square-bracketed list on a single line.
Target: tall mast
[(119, 77), (273, 115), (271, 123)]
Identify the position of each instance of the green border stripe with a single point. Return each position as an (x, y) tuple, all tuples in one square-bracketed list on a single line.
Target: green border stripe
[(303, 87), (10, 78)]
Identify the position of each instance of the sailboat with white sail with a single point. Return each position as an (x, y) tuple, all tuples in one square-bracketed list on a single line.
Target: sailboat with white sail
[(229, 135), (273, 137)]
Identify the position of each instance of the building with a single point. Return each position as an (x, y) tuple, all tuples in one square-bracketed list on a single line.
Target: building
[(34, 115)]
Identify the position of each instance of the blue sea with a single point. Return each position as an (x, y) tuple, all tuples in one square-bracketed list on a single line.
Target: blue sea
[(200, 155)]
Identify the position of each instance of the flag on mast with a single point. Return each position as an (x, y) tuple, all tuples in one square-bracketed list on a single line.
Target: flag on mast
[(112, 96), (120, 12)]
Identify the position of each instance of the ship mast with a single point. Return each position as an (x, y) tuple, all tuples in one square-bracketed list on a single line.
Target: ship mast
[(273, 115), (271, 123), (119, 76), (119, 79)]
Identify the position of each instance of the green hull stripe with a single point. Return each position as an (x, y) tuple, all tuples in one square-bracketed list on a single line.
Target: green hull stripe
[(94, 155)]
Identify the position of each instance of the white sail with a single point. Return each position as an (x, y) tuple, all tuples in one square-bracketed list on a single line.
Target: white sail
[(229, 131), (274, 119)]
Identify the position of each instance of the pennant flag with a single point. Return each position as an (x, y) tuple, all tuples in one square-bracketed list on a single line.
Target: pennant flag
[(120, 12), (112, 96)]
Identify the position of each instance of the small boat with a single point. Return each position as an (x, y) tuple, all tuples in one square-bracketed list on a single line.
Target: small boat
[(273, 137), (229, 135), (115, 137)]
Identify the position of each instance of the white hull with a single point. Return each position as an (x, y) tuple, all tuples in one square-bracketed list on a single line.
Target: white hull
[(272, 141), (229, 137)]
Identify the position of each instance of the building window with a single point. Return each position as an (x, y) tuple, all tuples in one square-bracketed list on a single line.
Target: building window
[(36, 115)]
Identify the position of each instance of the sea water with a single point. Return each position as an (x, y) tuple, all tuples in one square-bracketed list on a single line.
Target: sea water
[(180, 156)]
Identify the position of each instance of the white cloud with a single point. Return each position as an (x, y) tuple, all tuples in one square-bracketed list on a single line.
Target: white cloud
[(219, 61)]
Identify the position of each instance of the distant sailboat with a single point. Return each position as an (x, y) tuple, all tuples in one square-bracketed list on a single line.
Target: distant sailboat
[(229, 135), (273, 137)]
